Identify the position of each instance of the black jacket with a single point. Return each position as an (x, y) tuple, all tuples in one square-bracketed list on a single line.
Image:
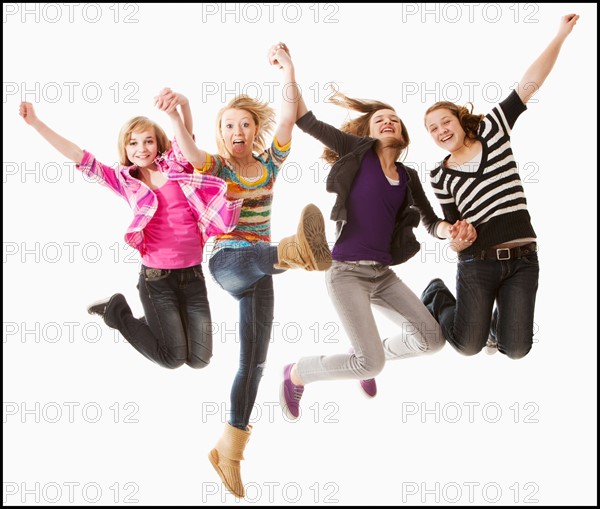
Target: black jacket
[(351, 150)]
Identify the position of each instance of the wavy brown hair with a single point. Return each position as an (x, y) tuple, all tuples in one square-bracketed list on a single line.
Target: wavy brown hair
[(138, 125), (262, 114), (467, 119), (360, 126)]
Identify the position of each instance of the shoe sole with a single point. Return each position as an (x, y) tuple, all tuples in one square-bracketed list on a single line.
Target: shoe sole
[(215, 463), (312, 235), (491, 350), (104, 301), (283, 403)]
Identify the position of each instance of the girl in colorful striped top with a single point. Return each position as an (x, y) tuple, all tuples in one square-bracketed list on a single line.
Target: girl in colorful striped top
[(243, 261), (479, 182)]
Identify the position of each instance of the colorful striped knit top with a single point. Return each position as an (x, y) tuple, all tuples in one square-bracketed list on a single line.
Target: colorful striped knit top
[(255, 218)]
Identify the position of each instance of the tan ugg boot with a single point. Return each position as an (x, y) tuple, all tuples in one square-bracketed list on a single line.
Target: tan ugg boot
[(307, 249), (226, 456)]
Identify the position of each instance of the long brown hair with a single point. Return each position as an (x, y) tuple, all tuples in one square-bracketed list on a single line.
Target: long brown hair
[(360, 126)]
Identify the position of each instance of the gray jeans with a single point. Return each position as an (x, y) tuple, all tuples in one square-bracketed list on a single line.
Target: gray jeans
[(353, 289)]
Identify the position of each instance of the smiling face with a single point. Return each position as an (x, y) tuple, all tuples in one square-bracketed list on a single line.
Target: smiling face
[(142, 148), (385, 124), (445, 129), (238, 130)]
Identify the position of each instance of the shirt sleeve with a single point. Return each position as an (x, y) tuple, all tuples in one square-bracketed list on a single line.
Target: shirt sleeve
[(508, 111), (340, 142), (276, 155), (280, 152), (429, 218), (101, 173), (213, 165)]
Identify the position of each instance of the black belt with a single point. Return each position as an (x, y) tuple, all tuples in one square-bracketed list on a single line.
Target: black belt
[(503, 253)]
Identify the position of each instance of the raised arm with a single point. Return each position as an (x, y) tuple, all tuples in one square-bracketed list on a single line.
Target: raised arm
[(537, 73), (65, 147), (168, 101), (279, 55), (330, 136)]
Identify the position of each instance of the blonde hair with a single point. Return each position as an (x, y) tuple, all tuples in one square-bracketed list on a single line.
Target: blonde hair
[(467, 119), (262, 114), (360, 126), (136, 125)]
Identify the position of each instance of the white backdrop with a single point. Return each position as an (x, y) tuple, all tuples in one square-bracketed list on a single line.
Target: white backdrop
[(88, 419)]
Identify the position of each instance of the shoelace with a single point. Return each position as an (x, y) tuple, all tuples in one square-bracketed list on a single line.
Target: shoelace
[(297, 391)]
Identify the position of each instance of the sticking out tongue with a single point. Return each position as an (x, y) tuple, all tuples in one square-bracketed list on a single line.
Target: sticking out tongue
[(238, 148)]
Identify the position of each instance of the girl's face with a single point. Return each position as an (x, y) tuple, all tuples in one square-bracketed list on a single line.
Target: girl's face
[(445, 129), (385, 124), (142, 148), (238, 130)]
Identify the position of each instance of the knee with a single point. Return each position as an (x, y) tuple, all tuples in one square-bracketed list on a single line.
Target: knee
[(173, 358), (172, 363), (433, 288), (197, 363), (515, 353), (251, 370), (469, 349), (469, 343), (370, 367), (436, 344)]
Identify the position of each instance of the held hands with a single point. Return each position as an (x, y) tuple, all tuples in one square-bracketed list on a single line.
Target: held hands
[(28, 113), (279, 55), (462, 233), (167, 101)]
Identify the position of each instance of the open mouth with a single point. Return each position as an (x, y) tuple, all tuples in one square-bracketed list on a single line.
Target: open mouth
[(238, 145)]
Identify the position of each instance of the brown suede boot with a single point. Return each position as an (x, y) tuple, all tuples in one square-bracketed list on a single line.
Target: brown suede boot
[(307, 249), (226, 456)]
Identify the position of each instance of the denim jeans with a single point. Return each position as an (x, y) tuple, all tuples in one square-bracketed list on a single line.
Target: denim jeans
[(354, 289), (246, 274), (176, 327), (467, 319)]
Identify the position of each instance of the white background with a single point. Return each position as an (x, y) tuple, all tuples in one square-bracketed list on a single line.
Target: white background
[(443, 428)]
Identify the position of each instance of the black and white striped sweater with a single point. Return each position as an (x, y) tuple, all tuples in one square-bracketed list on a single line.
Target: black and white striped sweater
[(490, 196)]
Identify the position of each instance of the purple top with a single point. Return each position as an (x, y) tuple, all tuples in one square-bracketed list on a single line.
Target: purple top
[(372, 205)]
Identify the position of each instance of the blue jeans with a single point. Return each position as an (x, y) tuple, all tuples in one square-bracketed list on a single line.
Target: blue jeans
[(467, 320), (176, 327), (245, 273)]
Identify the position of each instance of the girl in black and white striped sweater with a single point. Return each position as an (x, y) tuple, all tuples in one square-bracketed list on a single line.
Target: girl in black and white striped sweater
[(479, 182)]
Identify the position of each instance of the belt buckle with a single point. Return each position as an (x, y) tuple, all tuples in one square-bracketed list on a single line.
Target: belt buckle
[(498, 257), (153, 273)]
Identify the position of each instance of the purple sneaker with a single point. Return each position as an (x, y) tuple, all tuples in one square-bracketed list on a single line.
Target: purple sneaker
[(290, 394), (369, 386)]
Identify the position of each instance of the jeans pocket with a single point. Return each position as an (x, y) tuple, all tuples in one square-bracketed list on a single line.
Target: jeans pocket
[(153, 275), (531, 259), (198, 272)]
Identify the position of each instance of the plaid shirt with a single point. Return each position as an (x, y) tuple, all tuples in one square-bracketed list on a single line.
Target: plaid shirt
[(206, 194)]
